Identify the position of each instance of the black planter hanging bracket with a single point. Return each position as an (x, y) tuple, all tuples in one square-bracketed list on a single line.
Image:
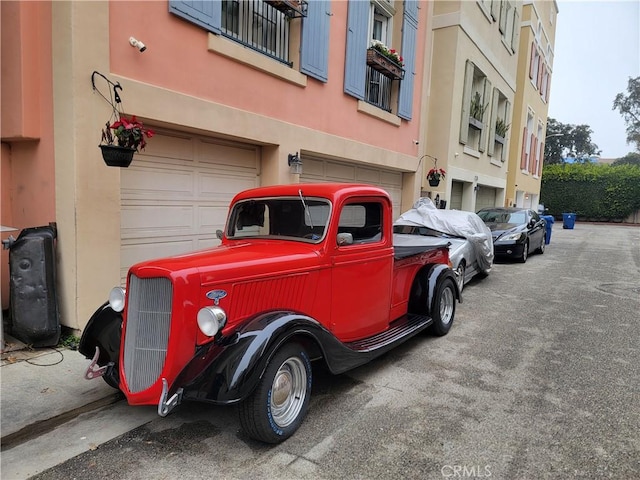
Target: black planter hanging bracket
[(114, 97)]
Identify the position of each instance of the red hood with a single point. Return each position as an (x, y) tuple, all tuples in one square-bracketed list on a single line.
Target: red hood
[(255, 258)]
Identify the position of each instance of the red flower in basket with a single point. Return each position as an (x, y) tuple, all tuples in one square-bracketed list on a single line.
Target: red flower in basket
[(435, 174), (130, 133)]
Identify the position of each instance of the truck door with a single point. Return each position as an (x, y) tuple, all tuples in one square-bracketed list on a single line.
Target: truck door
[(362, 270)]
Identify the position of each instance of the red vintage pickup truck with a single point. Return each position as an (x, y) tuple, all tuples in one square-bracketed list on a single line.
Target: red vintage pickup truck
[(304, 272)]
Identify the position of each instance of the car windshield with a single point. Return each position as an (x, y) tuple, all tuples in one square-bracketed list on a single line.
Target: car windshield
[(296, 218), (492, 216)]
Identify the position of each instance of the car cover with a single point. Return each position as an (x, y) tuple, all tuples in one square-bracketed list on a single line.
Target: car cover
[(452, 222)]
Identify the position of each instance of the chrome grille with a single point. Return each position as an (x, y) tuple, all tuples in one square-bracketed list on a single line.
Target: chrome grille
[(147, 330)]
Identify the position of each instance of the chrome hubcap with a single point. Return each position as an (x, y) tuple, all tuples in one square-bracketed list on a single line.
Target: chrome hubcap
[(288, 392), (446, 306)]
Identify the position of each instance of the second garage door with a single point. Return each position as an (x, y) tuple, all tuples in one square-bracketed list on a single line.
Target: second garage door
[(176, 194), (485, 198)]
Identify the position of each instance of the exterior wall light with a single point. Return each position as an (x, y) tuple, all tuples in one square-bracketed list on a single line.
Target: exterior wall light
[(295, 164)]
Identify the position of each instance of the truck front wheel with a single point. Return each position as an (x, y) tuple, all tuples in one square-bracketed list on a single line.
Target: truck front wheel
[(280, 402), (444, 307)]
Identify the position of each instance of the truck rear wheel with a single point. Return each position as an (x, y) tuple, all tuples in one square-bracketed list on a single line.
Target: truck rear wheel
[(280, 402), (444, 307)]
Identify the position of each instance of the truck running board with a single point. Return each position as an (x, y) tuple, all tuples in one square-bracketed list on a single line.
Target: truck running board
[(400, 330)]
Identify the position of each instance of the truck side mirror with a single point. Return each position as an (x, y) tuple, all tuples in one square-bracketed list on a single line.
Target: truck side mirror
[(219, 234), (345, 239)]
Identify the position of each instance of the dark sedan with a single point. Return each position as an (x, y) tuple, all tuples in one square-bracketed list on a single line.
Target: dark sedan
[(516, 232)]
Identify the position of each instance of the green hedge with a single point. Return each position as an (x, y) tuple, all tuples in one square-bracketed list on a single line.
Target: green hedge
[(591, 191)]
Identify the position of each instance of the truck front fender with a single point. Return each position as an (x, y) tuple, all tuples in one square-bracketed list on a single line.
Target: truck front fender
[(104, 331), (228, 370)]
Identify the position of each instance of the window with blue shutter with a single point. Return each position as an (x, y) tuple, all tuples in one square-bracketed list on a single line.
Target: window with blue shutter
[(409, 38), (314, 54), (357, 43), (207, 14)]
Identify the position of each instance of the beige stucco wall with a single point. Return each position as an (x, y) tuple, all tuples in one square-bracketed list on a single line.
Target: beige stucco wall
[(462, 32), (521, 184)]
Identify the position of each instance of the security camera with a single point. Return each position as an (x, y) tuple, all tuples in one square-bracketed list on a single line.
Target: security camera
[(138, 44), (416, 142)]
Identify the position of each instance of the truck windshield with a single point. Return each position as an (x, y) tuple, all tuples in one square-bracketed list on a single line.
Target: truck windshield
[(282, 217)]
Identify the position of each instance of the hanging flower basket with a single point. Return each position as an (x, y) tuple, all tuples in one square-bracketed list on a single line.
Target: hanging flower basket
[(115, 156), (434, 182), (129, 134), (434, 175)]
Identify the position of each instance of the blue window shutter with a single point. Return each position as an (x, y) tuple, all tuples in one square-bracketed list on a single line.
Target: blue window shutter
[(411, 10), (314, 54), (355, 67), (409, 37), (204, 13)]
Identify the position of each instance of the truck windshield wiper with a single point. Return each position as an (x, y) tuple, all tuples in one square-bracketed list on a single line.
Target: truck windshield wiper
[(306, 208)]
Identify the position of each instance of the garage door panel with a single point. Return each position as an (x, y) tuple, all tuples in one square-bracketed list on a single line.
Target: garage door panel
[(340, 173), (156, 220), (223, 186), (165, 146), (390, 178), (210, 218), (149, 182), (366, 175), (220, 154), (313, 169)]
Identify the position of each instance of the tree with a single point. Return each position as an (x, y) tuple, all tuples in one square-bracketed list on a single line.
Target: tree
[(629, 107), (564, 140), (631, 158)]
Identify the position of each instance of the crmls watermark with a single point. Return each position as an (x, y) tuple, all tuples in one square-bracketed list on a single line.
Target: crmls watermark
[(466, 471)]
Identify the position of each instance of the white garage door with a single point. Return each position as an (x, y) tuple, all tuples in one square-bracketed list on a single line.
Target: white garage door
[(486, 197), (319, 170), (176, 194), (456, 195)]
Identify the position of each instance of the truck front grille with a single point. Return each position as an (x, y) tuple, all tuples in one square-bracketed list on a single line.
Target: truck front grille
[(147, 330)]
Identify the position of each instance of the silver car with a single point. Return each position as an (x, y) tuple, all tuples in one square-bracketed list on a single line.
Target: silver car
[(470, 242)]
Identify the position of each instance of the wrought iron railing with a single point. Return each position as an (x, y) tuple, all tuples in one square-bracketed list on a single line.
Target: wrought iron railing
[(378, 89), (257, 25)]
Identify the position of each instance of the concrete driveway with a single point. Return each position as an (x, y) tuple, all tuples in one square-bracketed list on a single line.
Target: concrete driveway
[(538, 378)]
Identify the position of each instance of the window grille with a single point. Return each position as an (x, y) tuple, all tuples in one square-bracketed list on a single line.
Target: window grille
[(257, 25)]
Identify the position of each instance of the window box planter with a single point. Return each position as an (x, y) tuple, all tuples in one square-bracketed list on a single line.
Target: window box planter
[(475, 123), (291, 8), (384, 65), (500, 140)]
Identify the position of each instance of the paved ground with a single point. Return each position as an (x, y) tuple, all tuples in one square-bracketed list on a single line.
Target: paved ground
[(538, 378)]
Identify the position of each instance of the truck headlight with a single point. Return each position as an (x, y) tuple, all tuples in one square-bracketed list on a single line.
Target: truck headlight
[(211, 320), (116, 298)]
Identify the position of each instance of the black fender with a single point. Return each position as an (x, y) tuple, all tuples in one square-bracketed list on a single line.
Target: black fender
[(422, 296), (228, 370), (104, 330)]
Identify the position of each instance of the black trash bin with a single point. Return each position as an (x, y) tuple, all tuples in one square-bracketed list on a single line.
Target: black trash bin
[(33, 303)]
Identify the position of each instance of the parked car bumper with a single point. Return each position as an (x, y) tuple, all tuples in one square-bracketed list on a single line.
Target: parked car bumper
[(508, 249)]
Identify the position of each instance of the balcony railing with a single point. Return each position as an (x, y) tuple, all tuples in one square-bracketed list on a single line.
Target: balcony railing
[(378, 89), (257, 25)]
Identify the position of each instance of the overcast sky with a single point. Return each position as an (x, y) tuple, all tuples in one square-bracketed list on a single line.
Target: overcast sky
[(597, 49)]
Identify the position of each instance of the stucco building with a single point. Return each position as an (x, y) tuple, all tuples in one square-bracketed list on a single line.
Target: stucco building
[(233, 90)]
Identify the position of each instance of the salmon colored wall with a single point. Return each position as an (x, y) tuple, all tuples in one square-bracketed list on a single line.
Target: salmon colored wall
[(28, 189), (177, 59)]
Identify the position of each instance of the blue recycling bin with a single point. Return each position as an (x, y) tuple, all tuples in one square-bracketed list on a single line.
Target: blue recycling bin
[(548, 224), (568, 220)]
